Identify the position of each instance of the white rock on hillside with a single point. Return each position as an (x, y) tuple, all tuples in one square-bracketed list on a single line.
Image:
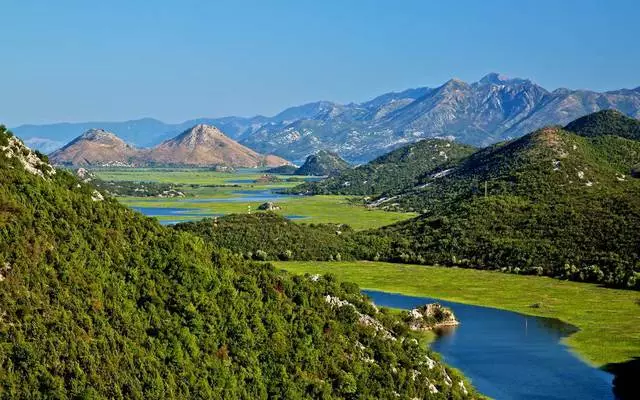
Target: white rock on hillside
[(29, 160)]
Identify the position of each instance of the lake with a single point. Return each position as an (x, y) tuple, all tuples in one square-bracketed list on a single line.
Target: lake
[(509, 355), (241, 196), (187, 214)]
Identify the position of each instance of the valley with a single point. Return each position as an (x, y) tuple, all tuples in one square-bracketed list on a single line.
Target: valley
[(210, 193), (334, 200), (341, 225)]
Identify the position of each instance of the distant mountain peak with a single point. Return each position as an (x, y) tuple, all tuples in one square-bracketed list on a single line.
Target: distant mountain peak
[(94, 147), (200, 134), (495, 78), (454, 84), (98, 134)]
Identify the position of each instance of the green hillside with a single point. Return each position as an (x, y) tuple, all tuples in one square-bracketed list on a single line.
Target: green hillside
[(396, 170), (550, 203), (323, 163), (97, 301), (606, 122)]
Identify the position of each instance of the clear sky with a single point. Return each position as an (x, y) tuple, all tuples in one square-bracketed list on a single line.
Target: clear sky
[(175, 60)]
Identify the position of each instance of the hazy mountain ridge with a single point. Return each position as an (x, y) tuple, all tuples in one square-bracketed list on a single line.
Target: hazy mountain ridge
[(493, 109)]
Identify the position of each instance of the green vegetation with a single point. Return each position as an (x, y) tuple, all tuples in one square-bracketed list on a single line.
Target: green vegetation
[(182, 176), (283, 170), (396, 170), (323, 163), (608, 318), (551, 203), (98, 301), (313, 209), (606, 122), (268, 236)]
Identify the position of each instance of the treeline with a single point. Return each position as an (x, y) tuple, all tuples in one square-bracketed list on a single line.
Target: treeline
[(269, 236)]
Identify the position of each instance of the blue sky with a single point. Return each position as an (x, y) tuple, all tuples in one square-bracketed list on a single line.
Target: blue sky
[(176, 60)]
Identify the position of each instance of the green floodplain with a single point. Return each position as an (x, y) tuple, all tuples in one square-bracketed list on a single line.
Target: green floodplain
[(608, 319), (222, 185)]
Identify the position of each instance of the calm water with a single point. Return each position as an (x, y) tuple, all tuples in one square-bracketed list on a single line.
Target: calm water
[(190, 214), (172, 211), (509, 355), (241, 196)]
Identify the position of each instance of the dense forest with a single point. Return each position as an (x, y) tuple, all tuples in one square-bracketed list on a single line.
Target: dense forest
[(393, 171), (98, 301)]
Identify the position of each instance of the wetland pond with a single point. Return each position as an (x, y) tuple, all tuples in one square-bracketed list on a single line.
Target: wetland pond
[(184, 214)]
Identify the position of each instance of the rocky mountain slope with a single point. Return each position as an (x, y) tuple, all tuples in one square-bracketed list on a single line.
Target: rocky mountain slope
[(95, 147), (490, 110), (202, 145), (323, 163), (206, 145), (99, 301), (481, 113)]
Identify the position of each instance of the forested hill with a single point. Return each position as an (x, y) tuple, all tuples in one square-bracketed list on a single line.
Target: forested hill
[(97, 301), (393, 171), (323, 163), (606, 122), (550, 203)]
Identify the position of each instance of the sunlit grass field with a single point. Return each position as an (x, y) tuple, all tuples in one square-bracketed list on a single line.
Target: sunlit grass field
[(608, 319)]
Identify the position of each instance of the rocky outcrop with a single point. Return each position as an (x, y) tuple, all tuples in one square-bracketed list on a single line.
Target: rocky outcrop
[(32, 162), (363, 319), (269, 206), (431, 316)]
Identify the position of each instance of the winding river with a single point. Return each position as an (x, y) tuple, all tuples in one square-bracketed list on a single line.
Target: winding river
[(509, 355)]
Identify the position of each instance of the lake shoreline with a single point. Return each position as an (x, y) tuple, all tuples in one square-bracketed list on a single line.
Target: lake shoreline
[(508, 292)]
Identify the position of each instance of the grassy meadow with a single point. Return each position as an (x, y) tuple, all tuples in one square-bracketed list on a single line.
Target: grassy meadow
[(608, 319)]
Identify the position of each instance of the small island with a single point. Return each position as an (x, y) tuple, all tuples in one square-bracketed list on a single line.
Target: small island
[(430, 316)]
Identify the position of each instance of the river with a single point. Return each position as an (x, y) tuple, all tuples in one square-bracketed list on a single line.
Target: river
[(508, 355)]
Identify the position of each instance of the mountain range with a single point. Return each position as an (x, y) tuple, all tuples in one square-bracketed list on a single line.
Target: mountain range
[(481, 113), (201, 145)]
